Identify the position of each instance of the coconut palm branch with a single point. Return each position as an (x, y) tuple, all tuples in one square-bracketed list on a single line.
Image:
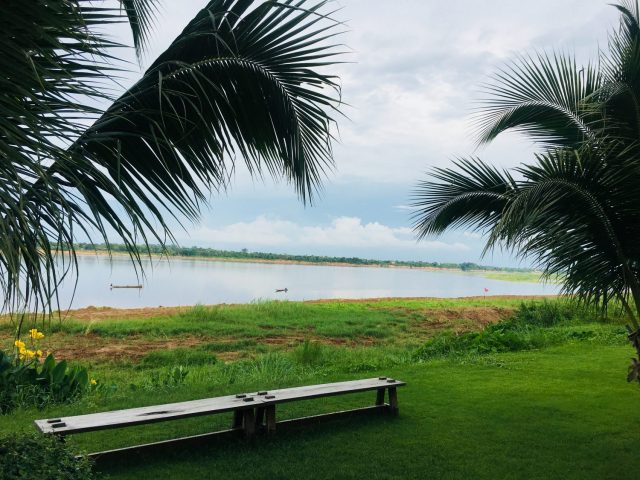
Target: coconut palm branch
[(474, 195), (545, 97), (575, 210), (244, 80)]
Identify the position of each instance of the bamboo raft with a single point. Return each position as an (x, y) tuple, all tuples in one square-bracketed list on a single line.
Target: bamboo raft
[(112, 286)]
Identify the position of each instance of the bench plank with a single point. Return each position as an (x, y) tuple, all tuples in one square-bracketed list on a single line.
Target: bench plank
[(172, 411), (328, 390)]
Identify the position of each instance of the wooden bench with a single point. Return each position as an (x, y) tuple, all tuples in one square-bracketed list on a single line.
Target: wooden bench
[(251, 412)]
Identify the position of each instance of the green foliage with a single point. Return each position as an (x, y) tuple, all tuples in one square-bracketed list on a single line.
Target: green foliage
[(533, 326), (179, 356), (309, 353), (165, 378), (32, 383), (25, 457)]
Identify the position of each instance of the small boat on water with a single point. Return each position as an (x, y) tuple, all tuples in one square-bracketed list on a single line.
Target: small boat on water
[(112, 286)]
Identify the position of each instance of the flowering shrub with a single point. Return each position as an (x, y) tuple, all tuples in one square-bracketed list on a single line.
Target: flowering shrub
[(27, 379)]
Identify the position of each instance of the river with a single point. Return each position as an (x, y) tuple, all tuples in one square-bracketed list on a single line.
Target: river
[(188, 282)]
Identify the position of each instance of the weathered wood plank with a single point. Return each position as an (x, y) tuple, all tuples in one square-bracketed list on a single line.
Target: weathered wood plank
[(159, 413), (143, 415), (328, 390)]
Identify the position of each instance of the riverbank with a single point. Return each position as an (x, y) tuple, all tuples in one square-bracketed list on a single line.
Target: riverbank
[(230, 332), (110, 313)]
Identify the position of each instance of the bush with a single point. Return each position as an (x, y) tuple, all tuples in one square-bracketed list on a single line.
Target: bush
[(309, 353), (547, 314), (44, 458), (34, 383), (533, 325)]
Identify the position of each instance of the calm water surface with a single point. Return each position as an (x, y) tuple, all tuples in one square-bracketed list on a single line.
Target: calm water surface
[(189, 282)]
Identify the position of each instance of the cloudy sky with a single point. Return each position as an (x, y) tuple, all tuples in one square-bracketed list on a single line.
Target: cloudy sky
[(415, 72)]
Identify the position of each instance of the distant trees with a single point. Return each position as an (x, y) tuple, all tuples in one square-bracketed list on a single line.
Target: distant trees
[(201, 252), (574, 210)]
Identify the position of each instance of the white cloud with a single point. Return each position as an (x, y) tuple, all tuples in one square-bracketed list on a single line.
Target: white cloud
[(407, 208), (343, 232)]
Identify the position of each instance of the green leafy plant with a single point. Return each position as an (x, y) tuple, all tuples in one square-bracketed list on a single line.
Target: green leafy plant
[(43, 457), (33, 383)]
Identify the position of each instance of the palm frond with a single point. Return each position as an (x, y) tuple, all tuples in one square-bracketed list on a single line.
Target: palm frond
[(54, 67), (620, 98), (473, 195), (244, 80), (141, 15), (543, 97)]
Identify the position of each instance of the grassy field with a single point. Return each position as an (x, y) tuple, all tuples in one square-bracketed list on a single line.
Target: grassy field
[(495, 390)]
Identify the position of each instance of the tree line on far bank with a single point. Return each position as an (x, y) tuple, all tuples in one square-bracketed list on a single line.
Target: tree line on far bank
[(244, 254)]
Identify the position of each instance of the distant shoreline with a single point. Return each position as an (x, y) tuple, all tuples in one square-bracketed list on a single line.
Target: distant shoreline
[(491, 273)]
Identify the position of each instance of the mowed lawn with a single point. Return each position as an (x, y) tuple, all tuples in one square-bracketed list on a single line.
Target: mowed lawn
[(561, 411)]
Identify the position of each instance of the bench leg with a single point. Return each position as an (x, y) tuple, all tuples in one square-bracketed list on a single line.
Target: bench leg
[(393, 400), (271, 418), (249, 423), (237, 419), (259, 418), (380, 396)]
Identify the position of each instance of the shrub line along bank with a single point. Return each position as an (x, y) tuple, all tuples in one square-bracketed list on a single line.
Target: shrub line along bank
[(245, 255)]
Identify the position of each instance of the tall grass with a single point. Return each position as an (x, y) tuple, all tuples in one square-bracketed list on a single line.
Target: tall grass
[(532, 326)]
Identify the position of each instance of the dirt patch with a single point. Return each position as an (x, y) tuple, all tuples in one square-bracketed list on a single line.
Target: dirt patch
[(427, 322), (482, 316), (93, 347), (390, 299), (108, 313)]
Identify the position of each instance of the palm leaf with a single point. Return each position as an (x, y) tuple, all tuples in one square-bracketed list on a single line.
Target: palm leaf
[(474, 196), (244, 80), (544, 97), (141, 15)]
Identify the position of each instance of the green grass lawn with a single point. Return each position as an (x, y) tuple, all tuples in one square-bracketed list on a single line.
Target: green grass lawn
[(560, 409)]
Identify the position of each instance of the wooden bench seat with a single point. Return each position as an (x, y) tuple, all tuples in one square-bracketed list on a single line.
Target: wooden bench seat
[(251, 411)]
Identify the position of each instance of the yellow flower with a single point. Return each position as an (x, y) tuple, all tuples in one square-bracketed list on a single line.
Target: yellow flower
[(39, 353), (30, 354), (22, 350), (93, 381), (35, 334), (19, 344)]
